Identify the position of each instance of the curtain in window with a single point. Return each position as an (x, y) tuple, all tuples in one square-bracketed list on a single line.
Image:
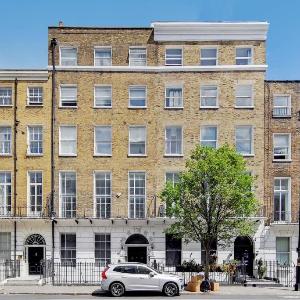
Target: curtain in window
[(174, 97)]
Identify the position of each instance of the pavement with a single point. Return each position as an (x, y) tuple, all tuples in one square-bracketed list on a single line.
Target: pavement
[(92, 292)]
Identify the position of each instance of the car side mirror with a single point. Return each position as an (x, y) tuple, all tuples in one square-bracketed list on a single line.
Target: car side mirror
[(151, 274)]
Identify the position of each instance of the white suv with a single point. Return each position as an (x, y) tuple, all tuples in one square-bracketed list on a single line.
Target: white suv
[(138, 277)]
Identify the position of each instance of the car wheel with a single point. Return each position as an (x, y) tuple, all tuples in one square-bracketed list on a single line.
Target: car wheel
[(170, 289), (117, 289)]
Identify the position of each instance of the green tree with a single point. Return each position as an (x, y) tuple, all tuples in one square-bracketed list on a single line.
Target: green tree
[(213, 200)]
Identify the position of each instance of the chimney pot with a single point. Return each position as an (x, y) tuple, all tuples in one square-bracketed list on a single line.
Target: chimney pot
[(60, 24)]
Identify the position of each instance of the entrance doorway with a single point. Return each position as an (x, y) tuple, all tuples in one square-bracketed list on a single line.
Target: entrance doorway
[(243, 251), (137, 254), (137, 248), (35, 256), (35, 246)]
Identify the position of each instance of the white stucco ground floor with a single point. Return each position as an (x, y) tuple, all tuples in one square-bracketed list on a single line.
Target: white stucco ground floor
[(121, 240)]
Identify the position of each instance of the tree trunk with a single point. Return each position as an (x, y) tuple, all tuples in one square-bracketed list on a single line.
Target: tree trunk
[(206, 268)]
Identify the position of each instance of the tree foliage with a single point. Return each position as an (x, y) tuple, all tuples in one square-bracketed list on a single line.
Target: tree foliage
[(213, 199)]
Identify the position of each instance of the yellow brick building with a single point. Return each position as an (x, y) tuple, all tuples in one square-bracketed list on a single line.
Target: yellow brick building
[(129, 106)]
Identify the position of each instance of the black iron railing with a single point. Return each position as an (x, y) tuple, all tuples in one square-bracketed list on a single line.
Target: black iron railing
[(9, 269)]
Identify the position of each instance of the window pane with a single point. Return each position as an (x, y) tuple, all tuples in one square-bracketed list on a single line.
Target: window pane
[(35, 95), (103, 57), (173, 57), (102, 249), (103, 96), (243, 56), (244, 139), (137, 96), (137, 57), (137, 140), (208, 57), (5, 140), (103, 140), (137, 194), (243, 95), (68, 140), (209, 96), (103, 194), (281, 146), (5, 246), (209, 136), (68, 96), (173, 140), (68, 56), (174, 97), (5, 96)]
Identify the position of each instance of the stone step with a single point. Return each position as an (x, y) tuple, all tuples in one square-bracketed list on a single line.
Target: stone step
[(22, 281), (262, 283)]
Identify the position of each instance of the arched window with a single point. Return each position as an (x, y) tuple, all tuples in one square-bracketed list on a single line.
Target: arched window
[(35, 239), (136, 239)]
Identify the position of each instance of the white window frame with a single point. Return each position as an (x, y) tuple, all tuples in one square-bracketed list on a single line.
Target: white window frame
[(67, 154), (246, 97), (288, 108), (106, 196), (29, 140), (217, 134), (60, 102), (174, 47), (130, 59), (9, 141), (252, 140), (36, 213), (95, 142), (182, 138), (129, 141), (102, 86), (290, 247), (70, 261), (6, 246), (62, 212), (9, 88), (145, 195), (173, 173), (39, 104), (289, 147), (103, 261), (217, 97), (174, 86), (129, 96), (99, 48), (209, 58), (6, 208), (289, 200), (240, 57), (60, 58)]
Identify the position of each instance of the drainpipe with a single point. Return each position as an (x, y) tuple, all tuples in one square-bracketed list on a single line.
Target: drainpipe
[(15, 172), (53, 105)]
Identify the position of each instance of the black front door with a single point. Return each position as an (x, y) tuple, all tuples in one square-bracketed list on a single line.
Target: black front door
[(137, 254), (35, 255), (243, 252)]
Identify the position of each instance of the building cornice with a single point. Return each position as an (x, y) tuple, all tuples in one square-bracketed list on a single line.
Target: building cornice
[(28, 75), (161, 69), (210, 31)]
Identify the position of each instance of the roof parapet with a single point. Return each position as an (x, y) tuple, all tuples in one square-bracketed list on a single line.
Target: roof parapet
[(210, 31)]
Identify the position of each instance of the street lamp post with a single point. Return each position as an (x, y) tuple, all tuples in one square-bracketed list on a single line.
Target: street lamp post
[(297, 284)]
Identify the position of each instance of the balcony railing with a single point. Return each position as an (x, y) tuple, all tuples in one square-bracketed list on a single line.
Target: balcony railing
[(282, 112), (23, 211)]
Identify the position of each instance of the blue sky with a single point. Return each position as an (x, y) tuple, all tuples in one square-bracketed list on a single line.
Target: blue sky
[(24, 24)]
